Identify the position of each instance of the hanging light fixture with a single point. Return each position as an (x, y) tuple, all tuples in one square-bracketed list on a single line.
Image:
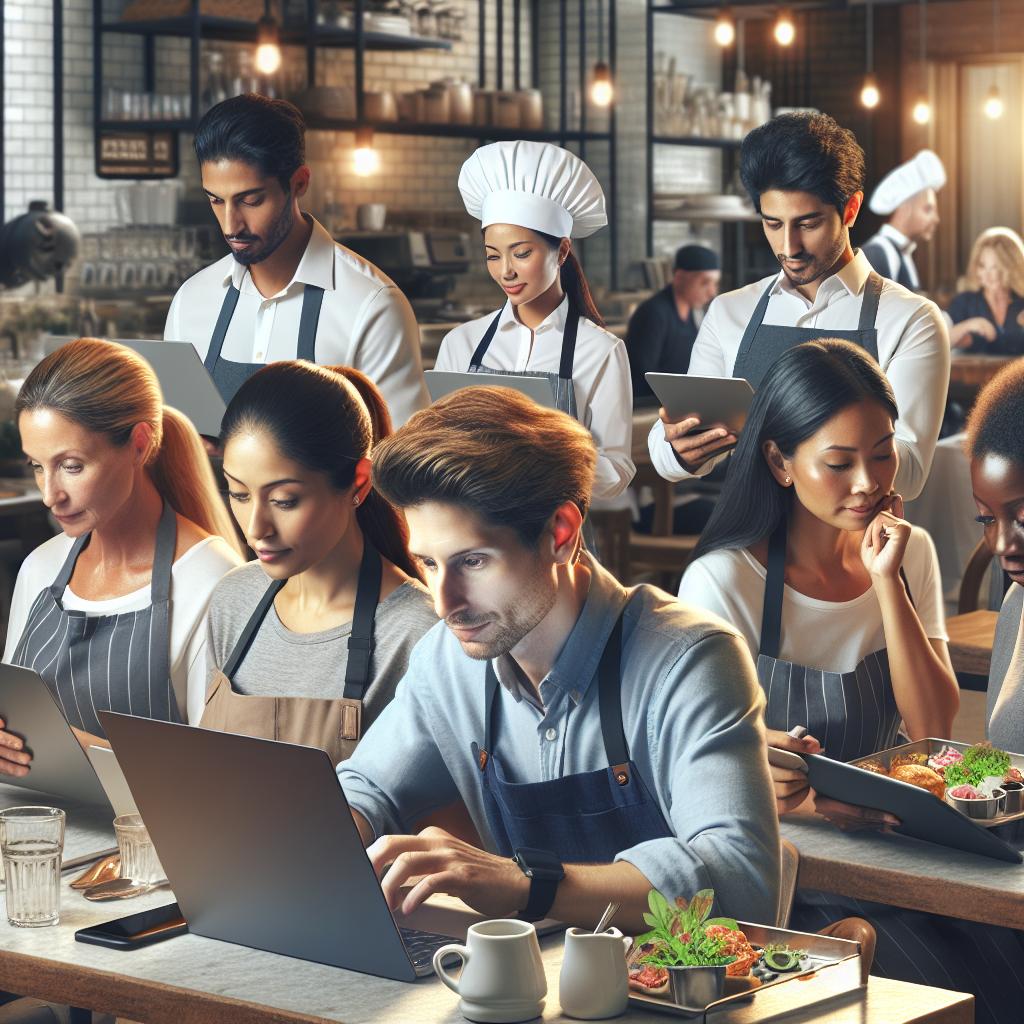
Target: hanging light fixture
[(993, 101), (268, 43), (725, 28), (602, 90), (365, 159), (785, 30), (869, 94), (922, 112)]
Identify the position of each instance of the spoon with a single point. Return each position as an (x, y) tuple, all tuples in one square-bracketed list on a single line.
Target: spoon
[(105, 869), (606, 918), (122, 889)]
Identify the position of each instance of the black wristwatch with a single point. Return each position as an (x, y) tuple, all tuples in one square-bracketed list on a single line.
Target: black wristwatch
[(545, 871)]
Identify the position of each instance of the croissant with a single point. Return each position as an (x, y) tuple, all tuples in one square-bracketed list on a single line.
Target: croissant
[(919, 775)]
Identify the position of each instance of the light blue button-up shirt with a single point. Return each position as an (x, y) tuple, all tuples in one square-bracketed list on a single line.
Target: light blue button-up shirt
[(692, 714)]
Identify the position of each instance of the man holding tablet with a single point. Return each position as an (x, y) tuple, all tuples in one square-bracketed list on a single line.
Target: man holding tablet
[(605, 741), (805, 176)]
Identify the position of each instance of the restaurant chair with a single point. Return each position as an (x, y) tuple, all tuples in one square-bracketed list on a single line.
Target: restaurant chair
[(973, 629)]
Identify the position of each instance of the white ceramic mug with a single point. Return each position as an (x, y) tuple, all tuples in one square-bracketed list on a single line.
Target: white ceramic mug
[(502, 979), (594, 983)]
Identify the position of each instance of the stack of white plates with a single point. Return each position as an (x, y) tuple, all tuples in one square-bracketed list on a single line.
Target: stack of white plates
[(393, 24)]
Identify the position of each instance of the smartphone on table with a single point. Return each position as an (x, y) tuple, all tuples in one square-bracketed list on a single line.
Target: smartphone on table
[(136, 930)]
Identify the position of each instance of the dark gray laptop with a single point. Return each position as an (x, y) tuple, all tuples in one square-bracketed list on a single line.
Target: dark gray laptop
[(444, 382), (59, 764), (260, 847), (183, 378)]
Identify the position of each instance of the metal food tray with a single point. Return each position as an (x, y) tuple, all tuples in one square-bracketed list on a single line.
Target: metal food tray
[(833, 969), (932, 745)]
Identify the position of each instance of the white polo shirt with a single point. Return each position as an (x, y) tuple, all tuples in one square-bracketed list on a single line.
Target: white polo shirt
[(365, 320), (913, 351), (600, 377)]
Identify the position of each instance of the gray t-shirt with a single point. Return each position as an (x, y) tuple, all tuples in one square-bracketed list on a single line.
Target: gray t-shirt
[(282, 663), (1006, 675)]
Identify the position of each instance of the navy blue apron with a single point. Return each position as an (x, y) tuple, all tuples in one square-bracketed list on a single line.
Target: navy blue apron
[(762, 343), (587, 818), (230, 376)]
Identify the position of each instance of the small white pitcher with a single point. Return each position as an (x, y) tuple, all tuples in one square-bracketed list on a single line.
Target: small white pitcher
[(502, 979), (594, 983)]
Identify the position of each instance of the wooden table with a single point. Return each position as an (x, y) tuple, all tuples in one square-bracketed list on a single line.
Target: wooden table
[(192, 980), (907, 873), (968, 374), (971, 636)]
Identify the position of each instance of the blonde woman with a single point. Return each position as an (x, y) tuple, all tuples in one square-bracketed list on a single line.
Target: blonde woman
[(989, 316), (111, 612)]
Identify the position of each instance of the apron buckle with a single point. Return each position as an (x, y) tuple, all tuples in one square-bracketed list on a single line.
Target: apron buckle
[(621, 774)]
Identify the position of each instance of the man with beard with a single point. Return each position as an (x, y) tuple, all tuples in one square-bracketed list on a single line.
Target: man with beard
[(286, 290), (805, 177), (605, 741)]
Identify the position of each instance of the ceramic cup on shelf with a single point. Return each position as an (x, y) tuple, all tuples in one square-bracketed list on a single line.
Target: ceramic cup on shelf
[(460, 102), (483, 107), (502, 979), (507, 113), (371, 216), (531, 110), (380, 106), (594, 983)]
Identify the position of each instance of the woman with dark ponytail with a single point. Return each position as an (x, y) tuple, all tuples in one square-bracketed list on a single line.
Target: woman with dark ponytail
[(308, 643), (531, 199)]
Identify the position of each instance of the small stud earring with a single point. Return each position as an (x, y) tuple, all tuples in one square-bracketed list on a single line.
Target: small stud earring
[(355, 501), (787, 481)]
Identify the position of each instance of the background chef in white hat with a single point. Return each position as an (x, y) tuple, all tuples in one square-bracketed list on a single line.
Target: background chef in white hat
[(907, 196), (531, 198)]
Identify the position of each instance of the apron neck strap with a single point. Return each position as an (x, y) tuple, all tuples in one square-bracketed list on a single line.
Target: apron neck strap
[(774, 586), (609, 683), (568, 355), (360, 641), (220, 332), (869, 303), (252, 627), (312, 300), (755, 321), (163, 559)]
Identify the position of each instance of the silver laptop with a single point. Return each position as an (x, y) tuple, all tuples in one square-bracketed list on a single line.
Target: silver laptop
[(260, 848), (444, 382), (112, 779), (183, 378), (59, 765)]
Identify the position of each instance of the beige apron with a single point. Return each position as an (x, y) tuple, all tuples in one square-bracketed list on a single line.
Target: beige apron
[(333, 725)]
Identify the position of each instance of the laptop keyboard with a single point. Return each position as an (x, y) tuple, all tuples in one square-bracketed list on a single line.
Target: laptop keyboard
[(421, 947)]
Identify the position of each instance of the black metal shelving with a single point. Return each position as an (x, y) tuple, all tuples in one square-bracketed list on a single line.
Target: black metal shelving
[(198, 28)]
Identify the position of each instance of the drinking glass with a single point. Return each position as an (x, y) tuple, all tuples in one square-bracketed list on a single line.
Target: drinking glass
[(31, 843), (138, 854)]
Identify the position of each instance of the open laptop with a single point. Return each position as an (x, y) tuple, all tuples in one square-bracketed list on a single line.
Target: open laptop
[(444, 382), (260, 848), (183, 378), (59, 765)]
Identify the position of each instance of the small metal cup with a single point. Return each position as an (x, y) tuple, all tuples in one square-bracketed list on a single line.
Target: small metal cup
[(983, 808), (696, 987), (1014, 797)]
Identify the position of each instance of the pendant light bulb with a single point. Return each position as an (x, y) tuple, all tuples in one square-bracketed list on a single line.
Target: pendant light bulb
[(602, 92), (365, 159), (725, 29), (922, 112), (785, 30), (993, 104), (268, 46), (869, 94)]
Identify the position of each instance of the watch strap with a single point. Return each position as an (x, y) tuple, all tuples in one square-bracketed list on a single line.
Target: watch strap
[(542, 896)]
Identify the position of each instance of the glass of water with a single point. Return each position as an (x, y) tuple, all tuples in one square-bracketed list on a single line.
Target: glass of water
[(32, 842), (138, 854)]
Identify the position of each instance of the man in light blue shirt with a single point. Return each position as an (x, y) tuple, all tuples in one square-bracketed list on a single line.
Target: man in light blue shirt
[(605, 741)]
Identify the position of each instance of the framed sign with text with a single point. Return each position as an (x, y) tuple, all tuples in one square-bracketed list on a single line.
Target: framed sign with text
[(136, 154)]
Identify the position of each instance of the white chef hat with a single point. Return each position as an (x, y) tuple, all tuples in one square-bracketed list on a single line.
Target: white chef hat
[(533, 185), (902, 183)]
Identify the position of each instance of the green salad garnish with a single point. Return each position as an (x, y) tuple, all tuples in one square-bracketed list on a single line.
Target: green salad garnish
[(979, 762)]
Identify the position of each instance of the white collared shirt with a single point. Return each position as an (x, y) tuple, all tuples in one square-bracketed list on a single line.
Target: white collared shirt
[(600, 377), (365, 320), (897, 247), (913, 351)]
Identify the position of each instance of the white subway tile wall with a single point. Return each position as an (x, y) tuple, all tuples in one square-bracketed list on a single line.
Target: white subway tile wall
[(418, 175)]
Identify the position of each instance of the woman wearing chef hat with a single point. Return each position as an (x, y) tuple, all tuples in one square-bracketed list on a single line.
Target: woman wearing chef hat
[(531, 198)]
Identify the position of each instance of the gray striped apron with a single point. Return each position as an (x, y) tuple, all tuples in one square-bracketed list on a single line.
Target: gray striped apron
[(854, 714), (115, 662), (851, 714), (762, 343)]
